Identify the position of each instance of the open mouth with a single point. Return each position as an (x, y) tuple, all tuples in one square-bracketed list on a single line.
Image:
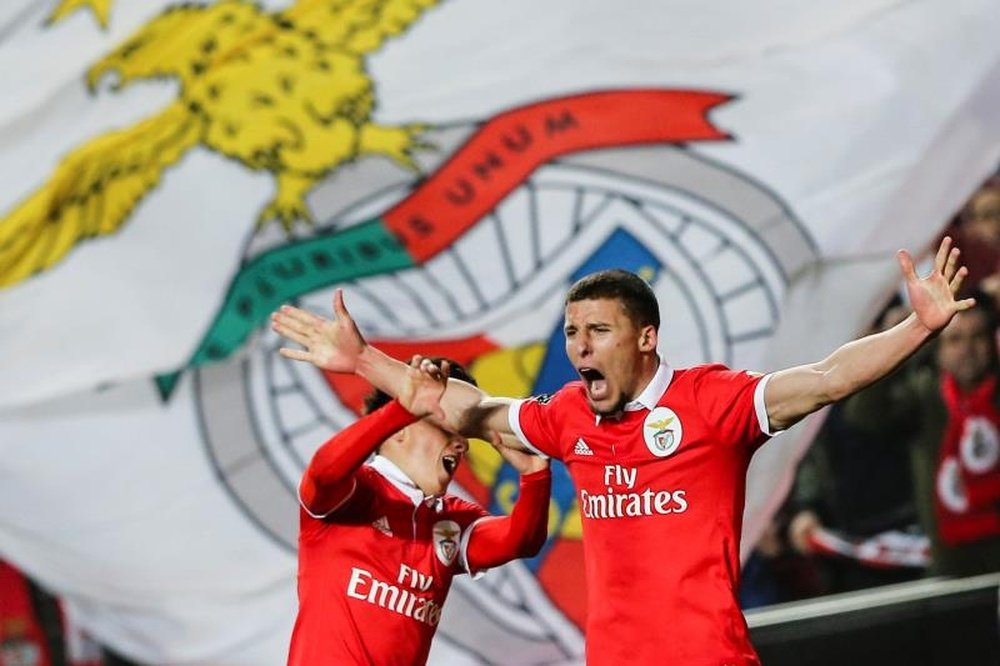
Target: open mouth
[(450, 464), (597, 385)]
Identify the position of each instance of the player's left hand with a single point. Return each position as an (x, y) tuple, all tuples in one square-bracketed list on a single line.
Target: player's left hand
[(523, 461), (933, 297)]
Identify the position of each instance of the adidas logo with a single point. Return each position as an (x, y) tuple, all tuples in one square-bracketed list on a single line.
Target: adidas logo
[(382, 525), (581, 448)]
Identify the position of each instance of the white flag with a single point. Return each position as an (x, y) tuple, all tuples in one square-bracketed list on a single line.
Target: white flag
[(171, 173)]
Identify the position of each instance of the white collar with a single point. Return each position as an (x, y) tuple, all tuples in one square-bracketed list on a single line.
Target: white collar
[(649, 396), (404, 483)]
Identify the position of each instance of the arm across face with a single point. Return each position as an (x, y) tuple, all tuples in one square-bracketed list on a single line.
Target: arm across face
[(329, 479)]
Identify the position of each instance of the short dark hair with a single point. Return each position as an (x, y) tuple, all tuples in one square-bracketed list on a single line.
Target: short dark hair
[(635, 295), (985, 306), (378, 398)]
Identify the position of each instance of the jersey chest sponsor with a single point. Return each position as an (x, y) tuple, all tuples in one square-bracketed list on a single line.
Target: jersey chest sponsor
[(618, 491), (413, 594)]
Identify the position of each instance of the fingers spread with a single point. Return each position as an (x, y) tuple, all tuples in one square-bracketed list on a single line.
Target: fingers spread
[(294, 354), (965, 304), (339, 309), (956, 282), (906, 264), (952, 264), (294, 319), (280, 327), (942, 254)]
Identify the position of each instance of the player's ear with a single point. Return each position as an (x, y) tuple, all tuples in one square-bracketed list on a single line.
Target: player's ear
[(647, 338)]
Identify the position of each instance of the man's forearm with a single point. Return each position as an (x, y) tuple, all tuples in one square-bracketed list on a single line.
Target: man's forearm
[(467, 409), (862, 362), (797, 392)]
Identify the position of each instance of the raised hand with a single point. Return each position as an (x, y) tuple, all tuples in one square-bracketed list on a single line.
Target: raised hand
[(333, 345), (933, 297), (523, 461), (423, 386)]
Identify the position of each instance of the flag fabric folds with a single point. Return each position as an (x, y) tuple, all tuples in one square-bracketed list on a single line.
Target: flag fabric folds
[(172, 172)]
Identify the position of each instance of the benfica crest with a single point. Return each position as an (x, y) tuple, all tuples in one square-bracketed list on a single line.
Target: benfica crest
[(662, 432), (445, 534)]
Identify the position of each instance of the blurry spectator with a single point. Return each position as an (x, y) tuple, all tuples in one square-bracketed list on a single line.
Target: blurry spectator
[(977, 231), (775, 572), (948, 413), (856, 480), (34, 630), (30, 633)]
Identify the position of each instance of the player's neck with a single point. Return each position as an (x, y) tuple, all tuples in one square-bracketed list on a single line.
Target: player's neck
[(648, 366)]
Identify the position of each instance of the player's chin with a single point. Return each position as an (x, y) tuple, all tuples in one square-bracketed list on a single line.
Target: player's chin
[(606, 406), (444, 479), (443, 482)]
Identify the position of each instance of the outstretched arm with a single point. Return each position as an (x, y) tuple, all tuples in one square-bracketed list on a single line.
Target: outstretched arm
[(497, 540), (794, 393), (337, 346), (329, 479)]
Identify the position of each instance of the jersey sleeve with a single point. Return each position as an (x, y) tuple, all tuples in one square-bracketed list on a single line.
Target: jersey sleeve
[(533, 422), (330, 479), (495, 540), (467, 515), (732, 403), (359, 506)]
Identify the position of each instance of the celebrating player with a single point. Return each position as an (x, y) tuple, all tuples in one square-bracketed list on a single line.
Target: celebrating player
[(658, 455), (379, 543)]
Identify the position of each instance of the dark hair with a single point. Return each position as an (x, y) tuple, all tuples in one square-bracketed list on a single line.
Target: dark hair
[(985, 305), (629, 289), (377, 398), (986, 308)]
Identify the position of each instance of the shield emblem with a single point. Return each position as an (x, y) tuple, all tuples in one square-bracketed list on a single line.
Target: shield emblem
[(664, 439), (445, 534)]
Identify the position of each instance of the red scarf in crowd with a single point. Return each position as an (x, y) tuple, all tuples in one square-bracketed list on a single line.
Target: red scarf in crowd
[(967, 484)]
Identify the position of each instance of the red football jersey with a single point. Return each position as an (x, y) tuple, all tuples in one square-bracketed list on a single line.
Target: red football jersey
[(374, 573), (661, 494)]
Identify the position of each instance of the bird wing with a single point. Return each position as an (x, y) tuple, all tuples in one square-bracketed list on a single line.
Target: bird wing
[(359, 26), (100, 8), (183, 41), (92, 192)]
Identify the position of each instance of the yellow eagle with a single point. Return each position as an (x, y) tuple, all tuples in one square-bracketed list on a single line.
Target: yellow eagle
[(286, 92)]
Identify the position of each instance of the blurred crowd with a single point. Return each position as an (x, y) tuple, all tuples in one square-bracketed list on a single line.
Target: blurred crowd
[(902, 480)]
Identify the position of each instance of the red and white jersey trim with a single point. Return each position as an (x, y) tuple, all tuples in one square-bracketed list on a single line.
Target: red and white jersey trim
[(760, 407), (320, 516), (514, 420)]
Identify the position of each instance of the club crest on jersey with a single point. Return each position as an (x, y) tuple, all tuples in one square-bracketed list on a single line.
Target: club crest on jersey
[(980, 445), (662, 432), (445, 534), (950, 489)]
